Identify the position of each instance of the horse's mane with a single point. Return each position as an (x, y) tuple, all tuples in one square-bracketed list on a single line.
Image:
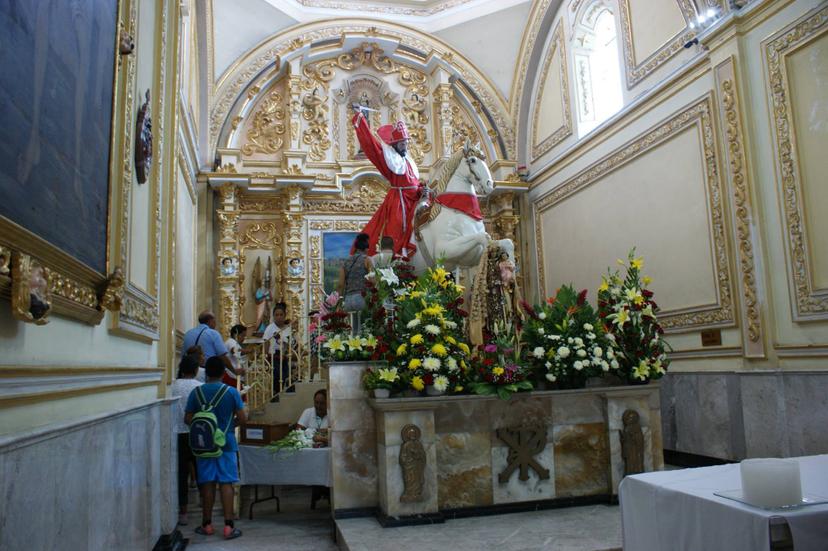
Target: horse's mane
[(443, 170)]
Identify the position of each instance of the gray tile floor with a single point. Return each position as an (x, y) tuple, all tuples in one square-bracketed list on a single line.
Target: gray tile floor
[(588, 528)]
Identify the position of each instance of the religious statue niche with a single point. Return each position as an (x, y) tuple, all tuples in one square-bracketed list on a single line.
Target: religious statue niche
[(143, 141), (262, 284), (412, 463), (525, 442), (371, 94), (31, 296), (632, 443), (296, 268)]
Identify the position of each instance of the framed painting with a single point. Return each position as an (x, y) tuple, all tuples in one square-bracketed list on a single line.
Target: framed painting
[(336, 248), (57, 98)]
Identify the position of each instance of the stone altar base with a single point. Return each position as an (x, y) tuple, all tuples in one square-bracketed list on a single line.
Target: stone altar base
[(574, 438)]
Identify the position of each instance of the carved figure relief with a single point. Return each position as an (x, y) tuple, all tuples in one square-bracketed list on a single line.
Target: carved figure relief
[(268, 127), (31, 296), (525, 442), (143, 141), (412, 463), (632, 443), (113, 293), (316, 134)]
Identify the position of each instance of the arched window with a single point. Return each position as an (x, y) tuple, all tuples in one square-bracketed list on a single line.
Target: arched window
[(597, 66)]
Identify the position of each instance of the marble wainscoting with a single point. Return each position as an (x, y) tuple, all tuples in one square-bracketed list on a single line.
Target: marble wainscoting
[(106, 482), (733, 416), (575, 436)]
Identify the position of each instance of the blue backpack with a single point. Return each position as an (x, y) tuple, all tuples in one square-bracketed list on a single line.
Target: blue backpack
[(206, 437)]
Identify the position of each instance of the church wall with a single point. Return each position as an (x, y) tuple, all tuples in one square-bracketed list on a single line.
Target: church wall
[(707, 204), (79, 396)]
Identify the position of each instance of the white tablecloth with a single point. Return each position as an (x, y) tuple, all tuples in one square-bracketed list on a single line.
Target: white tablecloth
[(676, 510), (307, 467)]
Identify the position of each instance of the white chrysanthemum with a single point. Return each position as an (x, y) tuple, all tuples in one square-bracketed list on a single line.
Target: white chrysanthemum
[(591, 336), (597, 351), (413, 323), (432, 329), (581, 353), (604, 365), (578, 365), (610, 353), (450, 324), (596, 361), (542, 315), (588, 327), (538, 352), (579, 341), (452, 364), (541, 331), (548, 365), (563, 352), (551, 378), (553, 337), (441, 382), (614, 364), (611, 337), (570, 340), (431, 364)]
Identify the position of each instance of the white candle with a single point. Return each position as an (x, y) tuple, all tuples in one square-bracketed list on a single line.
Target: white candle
[(771, 482)]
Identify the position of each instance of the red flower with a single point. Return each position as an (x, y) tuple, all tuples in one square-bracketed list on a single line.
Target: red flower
[(551, 301), (428, 379), (462, 312), (528, 309), (582, 297), (647, 293)]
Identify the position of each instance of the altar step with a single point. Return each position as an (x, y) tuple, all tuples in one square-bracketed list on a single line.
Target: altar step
[(289, 405)]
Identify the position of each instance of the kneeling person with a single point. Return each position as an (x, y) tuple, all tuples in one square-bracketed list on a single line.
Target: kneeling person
[(223, 469)]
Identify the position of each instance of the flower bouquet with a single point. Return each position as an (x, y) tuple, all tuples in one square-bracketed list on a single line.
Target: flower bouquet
[(428, 324), (629, 315), (347, 348), (498, 367), (564, 340), (295, 440)]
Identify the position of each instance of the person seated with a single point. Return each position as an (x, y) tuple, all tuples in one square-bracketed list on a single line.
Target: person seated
[(316, 418)]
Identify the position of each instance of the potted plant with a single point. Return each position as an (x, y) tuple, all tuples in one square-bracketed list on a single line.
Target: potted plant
[(381, 381)]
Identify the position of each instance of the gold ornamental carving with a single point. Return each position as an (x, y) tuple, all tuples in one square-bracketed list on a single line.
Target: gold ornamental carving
[(31, 294), (228, 224), (637, 72), (139, 313), (700, 115), (253, 205), (267, 128), (113, 292), (808, 303), (741, 199), (316, 133), (542, 144), (365, 200), (462, 129)]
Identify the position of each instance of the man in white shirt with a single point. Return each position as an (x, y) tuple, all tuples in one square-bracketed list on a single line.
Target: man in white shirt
[(275, 334), (316, 417), (234, 352)]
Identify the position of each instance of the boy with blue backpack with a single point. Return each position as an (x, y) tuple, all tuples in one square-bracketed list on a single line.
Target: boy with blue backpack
[(210, 412)]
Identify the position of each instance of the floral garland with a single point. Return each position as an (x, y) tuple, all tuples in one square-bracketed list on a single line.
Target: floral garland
[(629, 313)]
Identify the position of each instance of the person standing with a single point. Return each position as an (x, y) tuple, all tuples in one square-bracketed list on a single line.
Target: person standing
[(181, 389), (210, 341), (224, 469), (388, 152), (278, 335), (234, 352), (352, 280)]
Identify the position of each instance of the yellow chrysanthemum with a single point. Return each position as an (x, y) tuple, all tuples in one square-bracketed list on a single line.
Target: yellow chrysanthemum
[(458, 388), (417, 339), (464, 347), (498, 371), (415, 294), (417, 383), (401, 349), (439, 349), (451, 340), (637, 263), (414, 363)]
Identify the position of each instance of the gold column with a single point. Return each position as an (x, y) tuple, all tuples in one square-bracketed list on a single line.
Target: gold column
[(443, 94), (505, 224), (227, 214), (294, 225)]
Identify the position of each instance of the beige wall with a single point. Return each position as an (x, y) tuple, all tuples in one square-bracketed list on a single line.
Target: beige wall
[(705, 204)]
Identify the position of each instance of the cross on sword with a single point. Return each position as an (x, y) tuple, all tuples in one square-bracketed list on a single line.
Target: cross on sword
[(359, 107)]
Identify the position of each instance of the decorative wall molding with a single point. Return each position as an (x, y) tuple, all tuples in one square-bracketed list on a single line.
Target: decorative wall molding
[(527, 46), (636, 72), (33, 385), (808, 303), (542, 144), (735, 153), (700, 115)]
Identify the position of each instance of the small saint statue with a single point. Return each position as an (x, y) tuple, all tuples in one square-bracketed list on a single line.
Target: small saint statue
[(295, 267), (412, 462), (507, 270), (261, 295), (228, 267), (632, 443)]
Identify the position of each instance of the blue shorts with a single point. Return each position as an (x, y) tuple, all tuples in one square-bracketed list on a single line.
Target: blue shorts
[(223, 469)]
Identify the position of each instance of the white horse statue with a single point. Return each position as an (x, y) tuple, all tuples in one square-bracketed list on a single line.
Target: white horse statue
[(449, 234)]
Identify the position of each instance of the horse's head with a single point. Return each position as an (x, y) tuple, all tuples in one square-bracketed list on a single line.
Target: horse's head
[(478, 172)]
